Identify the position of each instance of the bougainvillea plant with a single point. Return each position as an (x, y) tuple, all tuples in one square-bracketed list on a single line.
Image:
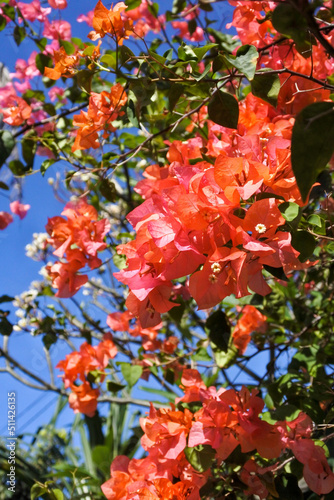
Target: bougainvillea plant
[(185, 308)]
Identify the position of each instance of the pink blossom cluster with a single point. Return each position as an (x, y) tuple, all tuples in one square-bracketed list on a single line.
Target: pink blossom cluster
[(215, 218), (226, 419), (16, 208), (76, 240), (77, 367)]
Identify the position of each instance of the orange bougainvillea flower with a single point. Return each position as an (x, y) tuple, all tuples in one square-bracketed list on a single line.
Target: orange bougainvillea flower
[(77, 365), (82, 229), (251, 320), (64, 64), (78, 239), (65, 278), (17, 112), (110, 22), (225, 420), (166, 431), (83, 399), (139, 479), (103, 109)]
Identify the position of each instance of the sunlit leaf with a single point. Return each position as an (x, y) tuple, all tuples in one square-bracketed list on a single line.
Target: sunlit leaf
[(201, 457), (245, 60), (131, 373), (266, 86)]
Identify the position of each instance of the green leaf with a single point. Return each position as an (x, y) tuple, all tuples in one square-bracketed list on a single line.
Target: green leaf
[(192, 25), (132, 4), (94, 376), (41, 43), (153, 9), (199, 90), (4, 186), (186, 53), (201, 457), (227, 42), (312, 144), (141, 92), (102, 457), (224, 110), (67, 470), (114, 386), (304, 243), (205, 5), (201, 51), (226, 359), (46, 164), (287, 487), (3, 23), (174, 95), (318, 222), (6, 327), (202, 355), (131, 114), (29, 147), (157, 57), (218, 63), (245, 60), (176, 313), (290, 211), (164, 393), (269, 402), (58, 494), (49, 339), (119, 261), (50, 109), (17, 167), (89, 51), (34, 94), (9, 11), (7, 143), (266, 86), (178, 6), (43, 61), (84, 80), (200, 76), (36, 491), (263, 196), (131, 373), (278, 272), (315, 220), (68, 46), (78, 42), (219, 331), (109, 60), (290, 22), (108, 189), (125, 54), (19, 34), (86, 448), (286, 412)]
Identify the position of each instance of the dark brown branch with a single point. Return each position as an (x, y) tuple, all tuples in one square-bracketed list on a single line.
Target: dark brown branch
[(315, 30)]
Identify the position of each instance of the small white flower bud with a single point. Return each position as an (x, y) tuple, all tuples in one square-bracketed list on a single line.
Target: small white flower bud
[(260, 228)]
